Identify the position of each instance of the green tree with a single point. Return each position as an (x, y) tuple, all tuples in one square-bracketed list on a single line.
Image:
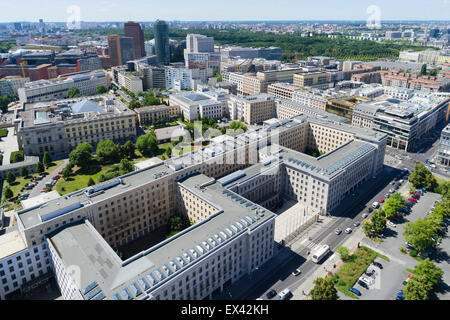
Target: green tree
[(367, 227), (73, 92), (101, 89), (40, 167), (429, 270), (81, 155), (418, 288), (147, 143), (4, 102), (176, 224), (423, 70), (421, 177), (126, 166), (16, 156), (128, 150), (323, 290), (91, 182), (10, 177), (378, 221), (108, 152), (67, 172), (46, 159), (134, 104), (343, 252), (420, 234), (23, 172), (393, 204), (8, 193)]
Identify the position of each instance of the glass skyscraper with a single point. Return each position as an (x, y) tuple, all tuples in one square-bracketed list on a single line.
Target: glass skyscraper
[(162, 48)]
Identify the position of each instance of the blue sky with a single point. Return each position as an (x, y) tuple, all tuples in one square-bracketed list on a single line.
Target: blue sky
[(150, 10)]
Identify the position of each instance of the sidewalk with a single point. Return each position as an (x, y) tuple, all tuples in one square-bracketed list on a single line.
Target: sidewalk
[(328, 266), (41, 185)]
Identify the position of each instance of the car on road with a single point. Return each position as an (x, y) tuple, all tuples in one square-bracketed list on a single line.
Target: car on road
[(285, 294), (348, 230), (391, 224), (338, 231), (297, 272), (400, 296), (377, 264), (356, 224), (381, 200), (272, 293), (365, 215), (355, 291)]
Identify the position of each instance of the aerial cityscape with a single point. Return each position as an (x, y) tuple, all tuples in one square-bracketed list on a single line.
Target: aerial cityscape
[(175, 151)]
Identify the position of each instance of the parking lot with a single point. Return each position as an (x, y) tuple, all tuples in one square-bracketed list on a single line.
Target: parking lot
[(389, 280)]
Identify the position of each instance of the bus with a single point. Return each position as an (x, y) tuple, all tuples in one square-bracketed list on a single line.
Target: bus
[(320, 253)]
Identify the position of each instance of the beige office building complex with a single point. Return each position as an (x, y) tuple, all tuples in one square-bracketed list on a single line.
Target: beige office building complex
[(151, 114), (232, 235), (252, 109), (58, 127), (312, 80)]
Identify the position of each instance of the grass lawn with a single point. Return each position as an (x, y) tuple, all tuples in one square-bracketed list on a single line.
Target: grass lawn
[(79, 179), (16, 188), (354, 267), (54, 165)]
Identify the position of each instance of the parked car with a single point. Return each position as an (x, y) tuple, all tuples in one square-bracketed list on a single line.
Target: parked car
[(43, 190), (415, 197), (400, 296), (363, 284), (391, 224), (24, 196), (377, 264), (370, 209), (387, 195), (392, 190), (60, 171), (348, 230), (365, 215), (57, 177), (297, 272), (381, 200), (272, 293), (338, 231), (356, 224), (413, 200), (355, 291)]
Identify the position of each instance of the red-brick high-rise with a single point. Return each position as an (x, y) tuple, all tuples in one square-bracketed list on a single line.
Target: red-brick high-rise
[(133, 30)]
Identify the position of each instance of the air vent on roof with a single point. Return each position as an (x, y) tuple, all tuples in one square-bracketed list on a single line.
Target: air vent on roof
[(174, 265), (187, 257), (143, 284), (206, 245), (135, 289), (116, 296), (92, 293), (244, 222), (126, 294), (166, 269), (181, 261), (233, 227), (89, 287), (224, 235), (194, 253), (200, 249), (101, 296), (219, 239), (249, 219), (159, 274), (214, 243), (152, 279), (229, 231)]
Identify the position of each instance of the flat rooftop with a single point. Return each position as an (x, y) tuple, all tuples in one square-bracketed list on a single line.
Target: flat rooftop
[(11, 243), (82, 245)]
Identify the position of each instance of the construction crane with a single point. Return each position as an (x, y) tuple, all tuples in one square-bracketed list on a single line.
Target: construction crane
[(296, 54)]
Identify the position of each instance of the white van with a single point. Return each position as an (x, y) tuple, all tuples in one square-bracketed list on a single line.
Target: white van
[(286, 293), (375, 205)]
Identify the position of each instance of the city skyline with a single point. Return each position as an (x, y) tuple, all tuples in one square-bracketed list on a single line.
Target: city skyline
[(205, 11)]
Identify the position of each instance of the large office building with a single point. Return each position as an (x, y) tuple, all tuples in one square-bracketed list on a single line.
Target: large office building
[(271, 53), (295, 93), (226, 190), (443, 154), (151, 114), (317, 79), (405, 122), (130, 82), (199, 43), (162, 48), (252, 109), (47, 90), (205, 103), (57, 127), (133, 30)]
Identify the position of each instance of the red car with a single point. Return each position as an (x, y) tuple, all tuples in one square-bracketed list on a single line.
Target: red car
[(413, 200), (381, 200), (56, 177), (43, 191), (60, 172), (416, 194)]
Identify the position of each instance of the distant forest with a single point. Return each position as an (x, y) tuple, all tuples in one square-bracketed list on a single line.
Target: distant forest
[(318, 45)]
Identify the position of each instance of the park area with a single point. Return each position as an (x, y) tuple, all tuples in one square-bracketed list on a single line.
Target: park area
[(353, 268)]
